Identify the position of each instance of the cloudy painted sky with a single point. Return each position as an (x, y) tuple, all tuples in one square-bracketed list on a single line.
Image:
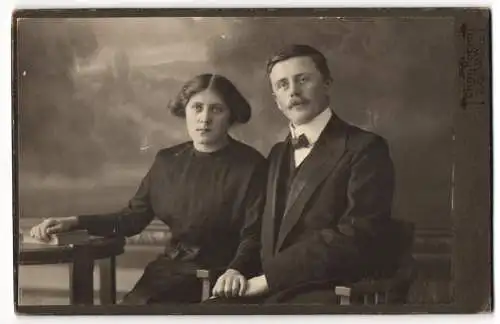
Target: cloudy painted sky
[(151, 41)]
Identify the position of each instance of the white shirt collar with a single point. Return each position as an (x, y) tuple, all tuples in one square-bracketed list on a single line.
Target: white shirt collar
[(312, 129)]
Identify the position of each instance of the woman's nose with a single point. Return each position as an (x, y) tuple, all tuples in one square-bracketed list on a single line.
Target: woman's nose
[(205, 116)]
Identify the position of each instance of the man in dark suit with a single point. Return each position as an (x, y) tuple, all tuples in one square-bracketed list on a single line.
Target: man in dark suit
[(327, 218)]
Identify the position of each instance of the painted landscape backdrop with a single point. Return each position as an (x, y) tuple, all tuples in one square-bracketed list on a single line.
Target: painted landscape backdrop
[(93, 96)]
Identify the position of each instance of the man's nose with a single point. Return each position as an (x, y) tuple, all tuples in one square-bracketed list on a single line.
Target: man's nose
[(295, 89)]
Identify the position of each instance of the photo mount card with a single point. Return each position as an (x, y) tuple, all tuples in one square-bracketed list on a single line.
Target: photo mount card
[(96, 132)]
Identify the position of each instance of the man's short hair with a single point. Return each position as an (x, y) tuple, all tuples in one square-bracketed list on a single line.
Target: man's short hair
[(298, 50)]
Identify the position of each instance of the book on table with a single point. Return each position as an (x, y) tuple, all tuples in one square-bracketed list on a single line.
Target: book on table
[(59, 239)]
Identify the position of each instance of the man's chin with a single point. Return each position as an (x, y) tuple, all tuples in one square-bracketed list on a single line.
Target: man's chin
[(299, 119), (303, 116)]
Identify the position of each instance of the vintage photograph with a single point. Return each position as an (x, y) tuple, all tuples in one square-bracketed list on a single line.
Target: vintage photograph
[(241, 159)]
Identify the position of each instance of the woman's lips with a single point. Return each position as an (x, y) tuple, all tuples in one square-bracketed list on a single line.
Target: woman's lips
[(203, 130)]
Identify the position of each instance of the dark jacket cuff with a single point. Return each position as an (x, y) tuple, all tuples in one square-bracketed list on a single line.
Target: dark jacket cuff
[(274, 277), (97, 224)]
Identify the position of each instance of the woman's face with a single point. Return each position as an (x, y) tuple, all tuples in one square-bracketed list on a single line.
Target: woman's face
[(207, 119)]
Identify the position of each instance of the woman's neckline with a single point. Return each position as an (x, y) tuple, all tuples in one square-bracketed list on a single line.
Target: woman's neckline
[(218, 152)]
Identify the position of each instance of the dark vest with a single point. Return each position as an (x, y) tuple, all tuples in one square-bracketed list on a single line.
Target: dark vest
[(288, 171)]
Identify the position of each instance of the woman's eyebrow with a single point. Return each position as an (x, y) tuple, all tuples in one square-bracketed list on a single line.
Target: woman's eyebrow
[(280, 80), (301, 74)]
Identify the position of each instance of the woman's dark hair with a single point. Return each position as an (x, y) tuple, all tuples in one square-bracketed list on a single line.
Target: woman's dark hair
[(239, 107), (297, 50)]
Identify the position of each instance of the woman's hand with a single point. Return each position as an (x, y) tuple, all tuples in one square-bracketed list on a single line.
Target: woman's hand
[(230, 284), (51, 226)]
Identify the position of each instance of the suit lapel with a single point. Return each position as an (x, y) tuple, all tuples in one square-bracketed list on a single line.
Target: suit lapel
[(268, 238), (316, 167)]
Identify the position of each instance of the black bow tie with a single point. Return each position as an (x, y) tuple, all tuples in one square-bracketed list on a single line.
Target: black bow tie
[(300, 142)]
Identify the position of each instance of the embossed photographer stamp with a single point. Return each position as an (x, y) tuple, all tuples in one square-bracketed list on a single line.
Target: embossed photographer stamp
[(473, 70)]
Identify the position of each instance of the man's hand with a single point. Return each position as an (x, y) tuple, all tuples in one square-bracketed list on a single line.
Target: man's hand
[(51, 226), (257, 286), (230, 284)]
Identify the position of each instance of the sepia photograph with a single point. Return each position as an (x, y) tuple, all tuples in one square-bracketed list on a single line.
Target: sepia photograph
[(218, 159)]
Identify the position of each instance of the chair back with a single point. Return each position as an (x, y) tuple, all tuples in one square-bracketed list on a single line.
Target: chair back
[(390, 288)]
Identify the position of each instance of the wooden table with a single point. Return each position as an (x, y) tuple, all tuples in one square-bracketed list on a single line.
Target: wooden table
[(81, 259)]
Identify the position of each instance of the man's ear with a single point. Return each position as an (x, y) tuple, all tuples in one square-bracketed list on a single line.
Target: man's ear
[(273, 94), (328, 83), (275, 98)]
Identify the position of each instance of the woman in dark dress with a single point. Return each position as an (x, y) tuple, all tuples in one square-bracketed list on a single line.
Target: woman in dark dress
[(209, 191)]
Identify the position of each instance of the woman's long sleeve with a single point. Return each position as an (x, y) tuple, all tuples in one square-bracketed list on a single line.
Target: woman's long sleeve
[(127, 222)]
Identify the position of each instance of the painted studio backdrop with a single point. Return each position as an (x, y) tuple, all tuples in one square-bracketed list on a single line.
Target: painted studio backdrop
[(92, 114)]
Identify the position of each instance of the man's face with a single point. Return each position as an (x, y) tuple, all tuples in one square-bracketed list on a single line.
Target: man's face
[(299, 89)]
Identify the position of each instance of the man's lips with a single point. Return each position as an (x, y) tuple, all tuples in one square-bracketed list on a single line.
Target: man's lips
[(297, 103)]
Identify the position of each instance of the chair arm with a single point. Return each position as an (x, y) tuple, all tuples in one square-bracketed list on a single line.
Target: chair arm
[(344, 293), (367, 287), (204, 275), (207, 277), (371, 291), (382, 290), (378, 290)]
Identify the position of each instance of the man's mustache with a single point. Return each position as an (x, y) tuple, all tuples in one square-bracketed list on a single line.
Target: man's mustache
[(298, 101)]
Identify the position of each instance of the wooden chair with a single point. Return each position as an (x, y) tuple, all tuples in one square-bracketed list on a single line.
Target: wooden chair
[(384, 290)]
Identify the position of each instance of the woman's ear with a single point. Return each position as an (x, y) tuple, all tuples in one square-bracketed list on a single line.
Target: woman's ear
[(328, 85)]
